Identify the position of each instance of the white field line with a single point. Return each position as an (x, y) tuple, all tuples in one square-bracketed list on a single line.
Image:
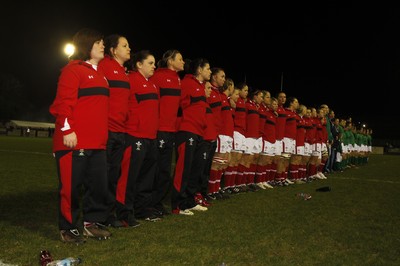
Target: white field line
[(362, 179), (28, 152)]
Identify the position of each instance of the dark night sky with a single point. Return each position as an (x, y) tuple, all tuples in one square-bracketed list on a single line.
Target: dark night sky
[(346, 57)]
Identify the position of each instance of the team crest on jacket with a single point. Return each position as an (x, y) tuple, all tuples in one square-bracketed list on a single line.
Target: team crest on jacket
[(138, 145), (161, 143), (191, 141)]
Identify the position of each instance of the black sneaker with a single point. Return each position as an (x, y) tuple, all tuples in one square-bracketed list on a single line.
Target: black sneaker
[(218, 196), (235, 190), (152, 218), (244, 189), (131, 222), (71, 236), (161, 210), (97, 231), (253, 187), (210, 197), (113, 222), (148, 215), (223, 194), (158, 213), (228, 191)]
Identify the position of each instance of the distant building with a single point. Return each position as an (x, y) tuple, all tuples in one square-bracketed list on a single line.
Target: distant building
[(36, 129)]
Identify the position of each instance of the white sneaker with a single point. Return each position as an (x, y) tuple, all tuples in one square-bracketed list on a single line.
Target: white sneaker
[(312, 177), (321, 175), (266, 185), (261, 185), (186, 212), (198, 208), (317, 176), (289, 181)]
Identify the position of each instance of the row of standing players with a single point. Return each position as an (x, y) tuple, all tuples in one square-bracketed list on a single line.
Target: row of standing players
[(119, 121)]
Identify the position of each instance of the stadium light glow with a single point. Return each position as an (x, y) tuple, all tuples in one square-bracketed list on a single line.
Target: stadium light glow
[(69, 49)]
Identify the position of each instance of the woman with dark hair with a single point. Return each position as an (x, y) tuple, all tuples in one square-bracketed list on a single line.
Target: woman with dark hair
[(168, 83), (117, 53), (192, 127), (80, 138), (135, 185)]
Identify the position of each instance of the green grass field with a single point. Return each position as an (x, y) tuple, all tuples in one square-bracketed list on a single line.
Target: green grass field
[(357, 223)]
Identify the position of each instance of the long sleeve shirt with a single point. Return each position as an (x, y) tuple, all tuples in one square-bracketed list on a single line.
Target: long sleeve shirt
[(210, 133), (301, 131), (291, 124), (169, 86), (81, 106), (310, 130), (143, 107), (193, 104), (253, 120), (215, 103), (119, 93), (240, 116), (262, 110), (280, 123), (226, 116), (270, 126)]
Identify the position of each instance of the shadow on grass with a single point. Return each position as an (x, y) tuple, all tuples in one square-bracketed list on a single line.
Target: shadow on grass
[(36, 211)]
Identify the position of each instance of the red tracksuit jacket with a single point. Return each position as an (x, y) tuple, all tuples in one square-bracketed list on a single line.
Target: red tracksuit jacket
[(143, 107), (119, 93), (81, 106), (169, 86)]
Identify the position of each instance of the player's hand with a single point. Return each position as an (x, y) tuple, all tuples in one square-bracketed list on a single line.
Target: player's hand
[(70, 140)]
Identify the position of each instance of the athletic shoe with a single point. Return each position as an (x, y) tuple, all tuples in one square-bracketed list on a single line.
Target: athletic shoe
[(112, 221), (131, 222), (227, 191), (97, 231), (152, 218), (200, 200), (261, 185), (182, 212), (198, 208), (243, 188), (149, 215), (317, 176), (223, 194), (253, 187), (128, 220), (160, 211), (71, 236), (218, 196), (235, 190), (267, 185), (210, 197), (321, 175), (289, 181), (206, 204)]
